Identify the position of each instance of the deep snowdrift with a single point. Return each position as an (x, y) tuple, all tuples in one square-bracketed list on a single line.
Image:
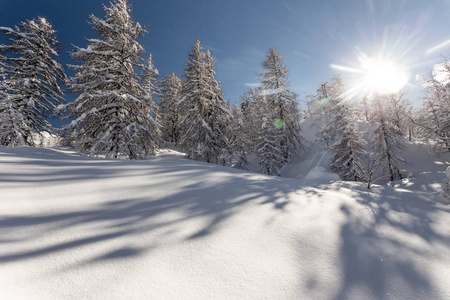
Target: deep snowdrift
[(79, 228)]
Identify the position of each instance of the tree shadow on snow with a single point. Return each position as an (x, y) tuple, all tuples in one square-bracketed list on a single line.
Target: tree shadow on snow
[(384, 252), (152, 217)]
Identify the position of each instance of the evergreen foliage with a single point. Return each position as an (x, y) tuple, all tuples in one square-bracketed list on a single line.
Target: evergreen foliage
[(29, 81), (171, 94), (239, 144), (346, 141), (114, 112), (282, 104), (207, 118), (268, 150), (386, 140), (434, 116)]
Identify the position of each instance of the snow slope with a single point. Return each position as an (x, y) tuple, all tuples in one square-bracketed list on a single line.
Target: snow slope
[(80, 228)]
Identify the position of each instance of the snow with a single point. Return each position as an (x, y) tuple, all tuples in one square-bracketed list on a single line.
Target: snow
[(169, 228)]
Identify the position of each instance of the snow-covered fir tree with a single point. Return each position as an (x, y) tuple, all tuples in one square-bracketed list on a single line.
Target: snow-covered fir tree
[(29, 81), (149, 81), (282, 104), (319, 112), (322, 108), (401, 112), (240, 144), (250, 122), (268, 139), (434, 115), (348, 144), (335, 120), (206, 120), (386, 139), (113, 112), (171, 89)]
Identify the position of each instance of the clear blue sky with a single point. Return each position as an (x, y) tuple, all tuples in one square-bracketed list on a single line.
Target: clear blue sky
[(312, 34)]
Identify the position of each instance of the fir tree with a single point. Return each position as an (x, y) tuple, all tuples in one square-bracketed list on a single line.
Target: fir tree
[(348, 145), (338, 127), (29, 77), (206, 123), (150, 84), (282, 103), (386, 140), (323, 107), (434, 116), (268, 150), (171, 89), (113, 112), (249, 120), (239, 144)]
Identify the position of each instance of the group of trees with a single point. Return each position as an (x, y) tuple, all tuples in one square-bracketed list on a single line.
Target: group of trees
[(365, 137), (116, 115)]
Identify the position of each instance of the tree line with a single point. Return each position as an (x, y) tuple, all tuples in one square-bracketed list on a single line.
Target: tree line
[(123, 108)]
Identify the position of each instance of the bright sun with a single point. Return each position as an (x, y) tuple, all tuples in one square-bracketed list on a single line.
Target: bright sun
[(382, 76), (374, 75)]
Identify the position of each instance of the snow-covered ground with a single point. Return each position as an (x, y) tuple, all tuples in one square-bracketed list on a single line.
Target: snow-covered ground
[(73, 227)]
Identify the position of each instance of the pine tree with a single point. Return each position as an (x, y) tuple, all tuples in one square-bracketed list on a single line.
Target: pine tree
[(386, 140), (207, 118), (323, 107), (113, 112), (250, 122), (29, 89), (434, 115), (319, 111), (348, 146), (337, 122), (239, 144), (268, 136), (150, 84), (282, 102), (171, 89)]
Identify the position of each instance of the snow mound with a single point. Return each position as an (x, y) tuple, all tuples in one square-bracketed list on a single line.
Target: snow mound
[(81, 228)]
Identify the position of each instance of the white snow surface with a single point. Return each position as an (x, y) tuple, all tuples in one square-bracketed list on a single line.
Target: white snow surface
[(73, 227)]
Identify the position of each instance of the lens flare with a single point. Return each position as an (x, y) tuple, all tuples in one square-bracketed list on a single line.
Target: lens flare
[(374, 75), (278, 123), (383, 76)]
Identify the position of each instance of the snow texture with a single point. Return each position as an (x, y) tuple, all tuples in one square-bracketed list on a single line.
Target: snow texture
[(75, 227)]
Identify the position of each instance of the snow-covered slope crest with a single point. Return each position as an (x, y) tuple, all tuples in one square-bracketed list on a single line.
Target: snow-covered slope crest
[(169, 228)]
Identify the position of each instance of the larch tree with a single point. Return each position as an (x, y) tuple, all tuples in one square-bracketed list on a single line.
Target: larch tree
[(113, 112), (171, 94), (29, 81), (434, 115), (386, 139), (319, 112), (336, 120), (323, 107), (249, 119), (282, 104), (239, 142), (268, 140), (348, 144), (207, 118), (149, 81)]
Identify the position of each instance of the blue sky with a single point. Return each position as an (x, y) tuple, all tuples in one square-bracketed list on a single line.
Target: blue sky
[(312, 35)]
